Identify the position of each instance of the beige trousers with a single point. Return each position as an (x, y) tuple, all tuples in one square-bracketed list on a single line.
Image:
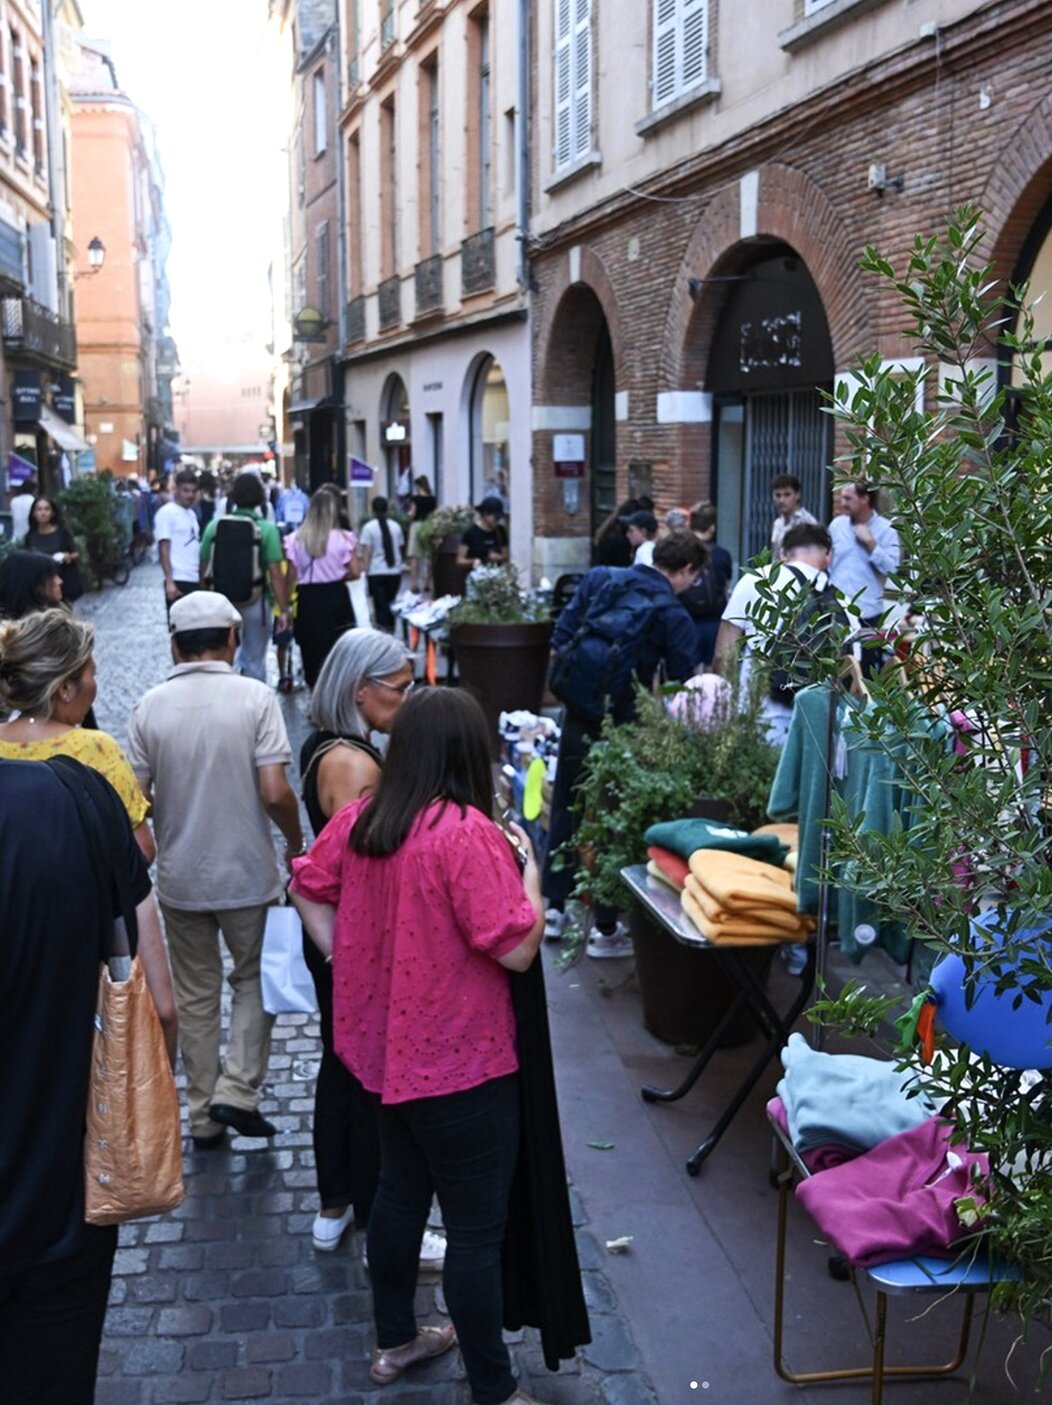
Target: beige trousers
[(197, 972)]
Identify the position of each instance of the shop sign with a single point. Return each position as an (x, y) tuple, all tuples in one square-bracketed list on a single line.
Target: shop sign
[(64, 399), (568, 455), (28, 396), (360, 472)]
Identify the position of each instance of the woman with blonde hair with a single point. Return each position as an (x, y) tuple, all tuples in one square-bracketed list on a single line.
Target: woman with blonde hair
[(322, 555), (47, 675)]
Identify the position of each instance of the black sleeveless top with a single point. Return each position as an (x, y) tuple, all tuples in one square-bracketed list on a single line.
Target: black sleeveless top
[(314, 747)]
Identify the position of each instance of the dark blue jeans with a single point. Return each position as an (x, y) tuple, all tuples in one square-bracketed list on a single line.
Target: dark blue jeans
[(463, 1147)]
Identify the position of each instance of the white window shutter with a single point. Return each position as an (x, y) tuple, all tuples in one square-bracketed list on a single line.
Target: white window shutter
[(666, 27), (695, 42), (563, 85), (582, 79)]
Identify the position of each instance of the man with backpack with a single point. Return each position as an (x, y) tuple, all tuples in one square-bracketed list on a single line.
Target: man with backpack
[(623, 625), (786, 613), (241, 555)]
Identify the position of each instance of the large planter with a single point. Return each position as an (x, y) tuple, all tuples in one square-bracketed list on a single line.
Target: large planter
[(447, 578), (684, 989), (504, 665)]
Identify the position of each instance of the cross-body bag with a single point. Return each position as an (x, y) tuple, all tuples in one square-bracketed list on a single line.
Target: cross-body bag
[(133, 1163)]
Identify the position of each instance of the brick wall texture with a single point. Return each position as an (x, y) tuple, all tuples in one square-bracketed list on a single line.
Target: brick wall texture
[(918, 115)]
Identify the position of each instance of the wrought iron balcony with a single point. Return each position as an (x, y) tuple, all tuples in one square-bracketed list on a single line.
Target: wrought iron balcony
[(477, 262), (428, 280), (33, 331), (356, 320), (390, 299)]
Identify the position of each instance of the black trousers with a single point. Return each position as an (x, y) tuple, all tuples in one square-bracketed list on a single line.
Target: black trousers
[(51, 1320), (346, 1138), (557, 884), (382, 590)]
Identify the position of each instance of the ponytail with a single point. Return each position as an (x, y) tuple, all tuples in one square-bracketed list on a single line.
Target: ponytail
[(380, 513)]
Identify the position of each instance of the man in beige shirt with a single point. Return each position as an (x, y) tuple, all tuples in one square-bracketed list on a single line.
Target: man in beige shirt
[(209, 748)]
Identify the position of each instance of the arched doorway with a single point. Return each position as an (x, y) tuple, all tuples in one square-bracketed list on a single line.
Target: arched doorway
[(395, 434), (1035, 268), (770, 361), (490, 416)]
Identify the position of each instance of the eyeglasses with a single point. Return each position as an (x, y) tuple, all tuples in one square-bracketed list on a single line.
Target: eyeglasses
[(404, 688)]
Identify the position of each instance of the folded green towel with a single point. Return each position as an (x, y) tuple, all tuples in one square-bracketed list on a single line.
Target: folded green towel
[(684, 836)]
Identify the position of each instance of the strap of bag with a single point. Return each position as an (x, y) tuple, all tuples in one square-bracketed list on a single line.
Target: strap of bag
[(328, 746), (88, 792)]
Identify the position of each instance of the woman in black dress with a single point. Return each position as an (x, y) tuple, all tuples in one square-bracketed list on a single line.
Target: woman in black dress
[(49, 535)]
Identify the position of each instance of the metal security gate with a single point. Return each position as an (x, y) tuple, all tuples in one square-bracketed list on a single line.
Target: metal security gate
[(785, 432)]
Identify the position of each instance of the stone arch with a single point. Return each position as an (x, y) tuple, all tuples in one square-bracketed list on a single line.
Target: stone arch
[(591, 274), (1018, 189)]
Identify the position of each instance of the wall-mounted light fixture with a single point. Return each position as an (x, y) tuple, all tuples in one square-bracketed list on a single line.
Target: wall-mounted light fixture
[(96, 258), (877, 178)]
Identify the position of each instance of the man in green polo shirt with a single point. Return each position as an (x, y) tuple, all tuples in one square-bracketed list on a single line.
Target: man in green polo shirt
[(246, 500)]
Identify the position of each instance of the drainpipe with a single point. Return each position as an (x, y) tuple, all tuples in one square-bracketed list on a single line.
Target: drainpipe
[(55, 164), (522, 152), (338, 379)]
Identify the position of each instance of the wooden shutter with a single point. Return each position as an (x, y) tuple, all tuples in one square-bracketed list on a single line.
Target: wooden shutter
[(695, 42), (563, 85), (680, 47), (666, 23), (582, 79)]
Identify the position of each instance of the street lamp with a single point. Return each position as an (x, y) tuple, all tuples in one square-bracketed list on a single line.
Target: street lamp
[(96, 255)]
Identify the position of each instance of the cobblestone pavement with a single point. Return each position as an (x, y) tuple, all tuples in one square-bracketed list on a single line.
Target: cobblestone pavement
[(226, 1299)]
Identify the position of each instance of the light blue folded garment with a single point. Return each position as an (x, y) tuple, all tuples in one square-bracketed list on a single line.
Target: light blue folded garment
[(846, 1099)]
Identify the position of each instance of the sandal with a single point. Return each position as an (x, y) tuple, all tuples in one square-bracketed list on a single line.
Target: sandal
[(388, 1363)]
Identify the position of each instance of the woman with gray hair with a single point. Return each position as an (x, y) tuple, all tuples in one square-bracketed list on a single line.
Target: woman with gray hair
[(363, 682)]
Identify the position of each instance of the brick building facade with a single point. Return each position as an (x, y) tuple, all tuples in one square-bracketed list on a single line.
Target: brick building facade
[(687, 314)]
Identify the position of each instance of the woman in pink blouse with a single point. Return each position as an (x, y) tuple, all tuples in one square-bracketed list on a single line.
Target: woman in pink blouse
[(417, 897), (323, 558)]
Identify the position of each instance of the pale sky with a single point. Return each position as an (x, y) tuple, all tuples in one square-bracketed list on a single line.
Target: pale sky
[(202, 72)]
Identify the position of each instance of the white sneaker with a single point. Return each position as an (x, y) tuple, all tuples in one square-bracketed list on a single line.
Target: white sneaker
[(328, 1230), (432, 1252), (554, 924), (602, 946)]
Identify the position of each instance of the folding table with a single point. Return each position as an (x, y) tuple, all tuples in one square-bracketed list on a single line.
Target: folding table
[(662, 904)]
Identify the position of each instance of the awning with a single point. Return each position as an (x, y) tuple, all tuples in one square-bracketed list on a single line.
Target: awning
[(64, 435), (304, 407)]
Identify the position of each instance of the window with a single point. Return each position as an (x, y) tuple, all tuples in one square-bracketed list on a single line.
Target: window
[(353, 42), (483, 123), (354, 215), (299, 284), (321, 266), (321, 135), (478, 126), (680, 45), (19, 92), (573, 81), (387, 23), (430, 172), (301, 165), (5, 120), (389, 191), (36, 98)]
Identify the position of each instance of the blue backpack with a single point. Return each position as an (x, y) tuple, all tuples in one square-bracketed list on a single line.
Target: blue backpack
[(594, 668)]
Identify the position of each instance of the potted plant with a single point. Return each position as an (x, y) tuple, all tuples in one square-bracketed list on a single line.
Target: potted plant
[(439, 537), (501, 639), (658, 767)]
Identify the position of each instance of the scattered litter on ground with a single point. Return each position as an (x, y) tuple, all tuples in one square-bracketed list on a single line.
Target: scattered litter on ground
[(619, 1246)]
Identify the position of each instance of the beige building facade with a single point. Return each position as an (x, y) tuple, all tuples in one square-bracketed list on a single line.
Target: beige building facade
[(705, 177)]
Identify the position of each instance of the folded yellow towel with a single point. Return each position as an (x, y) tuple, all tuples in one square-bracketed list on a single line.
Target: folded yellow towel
[(736, 882), (765, 914), (788, 832), (735, 931)]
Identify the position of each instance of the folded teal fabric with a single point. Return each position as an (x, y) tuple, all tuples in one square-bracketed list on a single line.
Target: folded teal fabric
[(684, 836), (846, 1099)]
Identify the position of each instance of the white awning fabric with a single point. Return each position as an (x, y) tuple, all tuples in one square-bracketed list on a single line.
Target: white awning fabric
[(64, 435)]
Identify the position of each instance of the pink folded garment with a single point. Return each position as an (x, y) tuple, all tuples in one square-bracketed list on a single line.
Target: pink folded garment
[(818, 1158), (898, 1200)]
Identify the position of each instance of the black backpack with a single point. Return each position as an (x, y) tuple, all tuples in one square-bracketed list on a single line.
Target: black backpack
[(594, 667), (818, 622), (237, 560)]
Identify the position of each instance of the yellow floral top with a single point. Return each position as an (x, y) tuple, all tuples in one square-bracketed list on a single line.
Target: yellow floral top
[(95, 749)]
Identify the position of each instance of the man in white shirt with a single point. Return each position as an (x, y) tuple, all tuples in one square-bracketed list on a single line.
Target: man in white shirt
[(177, 531), (865, 552), (641, 531), (807, 549), (21, 502), (786, 490)]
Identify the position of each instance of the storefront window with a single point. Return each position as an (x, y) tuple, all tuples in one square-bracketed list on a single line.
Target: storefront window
[(490, 415)]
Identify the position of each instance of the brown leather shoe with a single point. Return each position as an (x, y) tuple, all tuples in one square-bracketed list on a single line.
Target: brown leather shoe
[(388, 1363)]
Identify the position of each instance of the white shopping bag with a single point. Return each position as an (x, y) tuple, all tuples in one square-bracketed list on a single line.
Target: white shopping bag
[(359, 593), (287, 985)]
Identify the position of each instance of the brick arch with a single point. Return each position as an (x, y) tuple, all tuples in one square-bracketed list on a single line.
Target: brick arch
[(792, 209), (552, 326), (1017, 190)]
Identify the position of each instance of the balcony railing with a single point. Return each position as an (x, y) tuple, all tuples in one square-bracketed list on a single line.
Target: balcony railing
[(356, 320), (35, 331), (428, 281), (390, 299), (477, 262)]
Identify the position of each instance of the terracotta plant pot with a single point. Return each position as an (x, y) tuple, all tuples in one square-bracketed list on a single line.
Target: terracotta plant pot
[(504, 665)]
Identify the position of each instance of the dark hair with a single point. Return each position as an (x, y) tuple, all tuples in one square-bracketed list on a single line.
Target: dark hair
[(23, 575), (439, 750), (863, 490), (246, 491), (645, 503), (56, 511), (702, 516), (192, 643), (380, 513), (186, 475), (206, 481), (806, 535), (613, 523), (680, 549), (786, 480)]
